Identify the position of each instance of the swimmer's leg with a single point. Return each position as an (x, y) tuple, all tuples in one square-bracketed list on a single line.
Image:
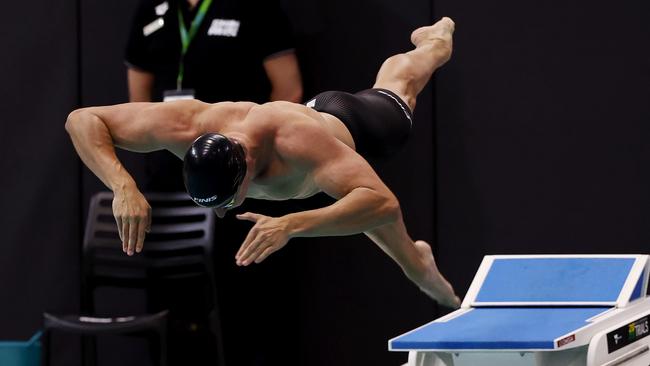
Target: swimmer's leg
[(416, 260), (406, 74)]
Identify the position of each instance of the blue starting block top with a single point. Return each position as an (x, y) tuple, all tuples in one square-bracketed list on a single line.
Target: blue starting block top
[(531, 302), (556, 281)]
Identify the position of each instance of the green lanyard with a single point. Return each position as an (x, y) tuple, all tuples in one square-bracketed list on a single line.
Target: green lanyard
[(187, 36)]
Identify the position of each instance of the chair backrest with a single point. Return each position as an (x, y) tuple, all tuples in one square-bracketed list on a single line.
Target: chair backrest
[(179, 244)]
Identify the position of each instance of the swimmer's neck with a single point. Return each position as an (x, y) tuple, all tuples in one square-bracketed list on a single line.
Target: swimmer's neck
[(266, 176), (257, 157)]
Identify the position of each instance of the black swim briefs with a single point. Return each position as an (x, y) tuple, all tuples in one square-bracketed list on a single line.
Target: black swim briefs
[(379, 121)]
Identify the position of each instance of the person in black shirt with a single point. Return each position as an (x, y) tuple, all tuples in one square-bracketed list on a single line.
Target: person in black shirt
[(242, 50)]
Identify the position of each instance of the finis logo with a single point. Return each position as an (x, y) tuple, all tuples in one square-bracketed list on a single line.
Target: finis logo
[(204, 200)]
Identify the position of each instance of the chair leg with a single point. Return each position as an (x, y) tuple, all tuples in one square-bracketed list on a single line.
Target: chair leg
[(45, 350), (157, 347), (215, 325), (89, 350), (162, 343)]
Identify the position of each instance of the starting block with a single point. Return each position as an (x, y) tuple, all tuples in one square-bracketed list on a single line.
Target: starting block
[(543, 310)]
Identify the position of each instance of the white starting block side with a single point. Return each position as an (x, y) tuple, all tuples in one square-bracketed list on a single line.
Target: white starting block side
[(513, 315), (625, 343)]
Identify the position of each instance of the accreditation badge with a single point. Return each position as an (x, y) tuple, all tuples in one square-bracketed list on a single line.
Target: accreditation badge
[(153, 26), (178, 94)]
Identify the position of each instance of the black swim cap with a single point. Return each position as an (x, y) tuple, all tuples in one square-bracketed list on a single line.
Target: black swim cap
[(213, 168)]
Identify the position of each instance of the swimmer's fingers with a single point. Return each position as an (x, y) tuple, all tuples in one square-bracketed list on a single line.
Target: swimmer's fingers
[(268, 251), (248, 216), (121, 220), (268, 232), (254, 255), (142, 224), (264, 250), (148, 228), (126, 234), (134, 228), (145, 227), (249, 238), (118, 221), (133, 217), (251, 251)]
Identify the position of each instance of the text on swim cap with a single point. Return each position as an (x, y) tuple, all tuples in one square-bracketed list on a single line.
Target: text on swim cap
[(204, 200)]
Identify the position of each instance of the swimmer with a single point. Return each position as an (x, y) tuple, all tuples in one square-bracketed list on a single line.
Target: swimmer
[(280, 151)]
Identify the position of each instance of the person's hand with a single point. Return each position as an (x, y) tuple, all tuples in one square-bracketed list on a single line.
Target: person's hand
[(268, 235), (133, 216)]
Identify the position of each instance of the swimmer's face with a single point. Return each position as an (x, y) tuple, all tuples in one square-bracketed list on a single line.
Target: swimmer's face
[(236, 201)]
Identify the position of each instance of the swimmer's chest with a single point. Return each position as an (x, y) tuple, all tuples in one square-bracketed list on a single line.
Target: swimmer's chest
[(288, 185)]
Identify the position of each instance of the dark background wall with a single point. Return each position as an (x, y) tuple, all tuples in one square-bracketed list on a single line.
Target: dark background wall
[(542, 131), (537, 136), (34, 238), (39, 195)]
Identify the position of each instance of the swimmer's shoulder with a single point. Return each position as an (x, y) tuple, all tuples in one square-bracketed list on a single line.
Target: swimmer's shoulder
[(217, 115), (232, 108)]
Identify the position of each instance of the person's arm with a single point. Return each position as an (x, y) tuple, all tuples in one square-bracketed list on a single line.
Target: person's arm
[(140, 84), (363, 200), (140, 127), (284, 74)]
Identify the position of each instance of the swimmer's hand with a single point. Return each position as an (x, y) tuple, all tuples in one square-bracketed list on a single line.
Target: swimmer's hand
[(268, 235), (133, 216)]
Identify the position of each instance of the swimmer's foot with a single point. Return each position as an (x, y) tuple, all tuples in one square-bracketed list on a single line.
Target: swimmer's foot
[(431, 282), (438, 36)]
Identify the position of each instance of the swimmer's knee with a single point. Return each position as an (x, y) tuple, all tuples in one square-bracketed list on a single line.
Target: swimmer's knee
[(401, 67), (399, 74)]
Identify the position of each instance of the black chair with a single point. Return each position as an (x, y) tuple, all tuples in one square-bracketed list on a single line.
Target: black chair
[(178, 249)]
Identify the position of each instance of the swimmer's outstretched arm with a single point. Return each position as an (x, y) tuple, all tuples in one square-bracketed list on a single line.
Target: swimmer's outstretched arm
[(365, 205), (139, 127), (363, 200)]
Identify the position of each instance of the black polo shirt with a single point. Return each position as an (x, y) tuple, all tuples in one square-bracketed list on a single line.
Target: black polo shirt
[(224, 60)]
